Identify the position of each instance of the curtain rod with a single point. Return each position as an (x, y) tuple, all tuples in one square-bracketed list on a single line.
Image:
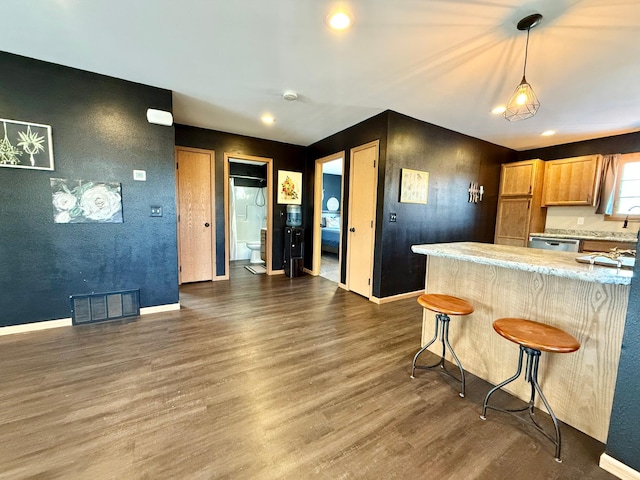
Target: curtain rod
[(247, 177)]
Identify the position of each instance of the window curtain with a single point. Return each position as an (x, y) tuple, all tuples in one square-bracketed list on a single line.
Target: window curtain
[(608, 184)]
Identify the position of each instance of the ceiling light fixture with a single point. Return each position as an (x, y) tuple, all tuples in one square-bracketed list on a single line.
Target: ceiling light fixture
[(339, 20), (267, 119), (548, 133), (290, 95), (499, 110), (524, 103)]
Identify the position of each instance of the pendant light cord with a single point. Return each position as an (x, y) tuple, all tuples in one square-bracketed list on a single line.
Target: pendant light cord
[(526, 51)]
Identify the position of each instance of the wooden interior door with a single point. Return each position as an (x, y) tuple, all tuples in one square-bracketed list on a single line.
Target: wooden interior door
[(194, 178), (363, 185)]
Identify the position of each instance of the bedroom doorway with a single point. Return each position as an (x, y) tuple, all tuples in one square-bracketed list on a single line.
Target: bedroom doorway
[(327, 217)]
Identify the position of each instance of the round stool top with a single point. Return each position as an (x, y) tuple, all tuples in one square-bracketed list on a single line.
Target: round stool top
[(445, 304), (536, 335)]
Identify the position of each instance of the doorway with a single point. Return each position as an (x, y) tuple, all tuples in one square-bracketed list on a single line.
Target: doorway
[(327, 217), (195, 204), (248, 190), (363, 187)]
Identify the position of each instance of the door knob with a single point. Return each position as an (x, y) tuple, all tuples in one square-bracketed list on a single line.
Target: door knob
[(352, 229), (206, 224)]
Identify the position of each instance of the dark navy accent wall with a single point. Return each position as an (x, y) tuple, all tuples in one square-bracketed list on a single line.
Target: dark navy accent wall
[(623, 441), (332, 186), (453, 161), (100, 132), (285, 157)]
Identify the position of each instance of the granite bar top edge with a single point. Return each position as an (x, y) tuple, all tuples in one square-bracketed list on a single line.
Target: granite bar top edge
[(560, 264), (587, 235)]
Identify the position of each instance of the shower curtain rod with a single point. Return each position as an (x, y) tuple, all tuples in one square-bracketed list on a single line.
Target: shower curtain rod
[(248, 177)]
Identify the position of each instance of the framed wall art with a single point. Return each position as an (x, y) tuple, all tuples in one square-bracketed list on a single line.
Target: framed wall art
[(414, 186), (25, 145), (81, 201), (289, 187)]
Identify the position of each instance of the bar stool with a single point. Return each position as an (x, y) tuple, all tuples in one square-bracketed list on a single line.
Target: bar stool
[(533, 338), (443, 306)]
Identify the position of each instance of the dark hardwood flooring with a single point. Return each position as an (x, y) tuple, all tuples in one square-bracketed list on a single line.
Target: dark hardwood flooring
[(258, 378)]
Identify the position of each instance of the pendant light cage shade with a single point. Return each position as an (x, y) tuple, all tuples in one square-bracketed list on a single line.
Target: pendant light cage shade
[(523, 103)]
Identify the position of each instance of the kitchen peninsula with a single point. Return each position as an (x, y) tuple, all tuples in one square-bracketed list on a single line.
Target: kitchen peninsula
[(587, 301)]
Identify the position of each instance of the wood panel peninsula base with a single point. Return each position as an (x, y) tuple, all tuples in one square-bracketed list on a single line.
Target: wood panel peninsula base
[(587, 301)]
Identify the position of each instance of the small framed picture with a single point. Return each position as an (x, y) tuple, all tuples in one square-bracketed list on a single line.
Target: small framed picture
[(25, 145), (414, 186), (289, 187)]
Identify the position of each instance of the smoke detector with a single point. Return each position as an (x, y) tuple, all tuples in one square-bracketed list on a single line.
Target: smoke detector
[(290, 95)]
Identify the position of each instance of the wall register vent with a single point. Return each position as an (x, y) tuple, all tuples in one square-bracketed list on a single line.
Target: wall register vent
[(100, 307)]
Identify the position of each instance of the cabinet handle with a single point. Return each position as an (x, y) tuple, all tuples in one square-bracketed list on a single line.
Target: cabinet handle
[(529, 189)]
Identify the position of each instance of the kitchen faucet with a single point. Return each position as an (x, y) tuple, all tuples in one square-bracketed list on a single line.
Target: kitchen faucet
[(626, 220)]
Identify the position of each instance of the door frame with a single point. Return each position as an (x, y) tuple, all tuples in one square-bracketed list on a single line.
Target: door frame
[(375, 143), (269, 200), (212, 153), (317, 212)]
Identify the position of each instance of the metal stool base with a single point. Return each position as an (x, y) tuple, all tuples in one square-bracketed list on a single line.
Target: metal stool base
[(531, 376), (442, 327)]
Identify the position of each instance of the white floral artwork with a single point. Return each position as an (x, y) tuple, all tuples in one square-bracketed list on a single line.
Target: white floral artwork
[(25, 145), (81, 201)]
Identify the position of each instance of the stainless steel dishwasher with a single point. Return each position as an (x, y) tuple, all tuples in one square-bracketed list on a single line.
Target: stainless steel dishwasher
[(562, 244)]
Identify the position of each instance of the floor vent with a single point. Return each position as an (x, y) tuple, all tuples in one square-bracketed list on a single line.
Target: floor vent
[(100, 307)]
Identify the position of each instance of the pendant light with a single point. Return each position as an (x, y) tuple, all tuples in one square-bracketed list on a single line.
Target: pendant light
[(524, 103)]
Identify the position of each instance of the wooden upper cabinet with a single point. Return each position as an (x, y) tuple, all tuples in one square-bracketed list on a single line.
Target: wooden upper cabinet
[(518, 178), (519, 210), (571, 181)]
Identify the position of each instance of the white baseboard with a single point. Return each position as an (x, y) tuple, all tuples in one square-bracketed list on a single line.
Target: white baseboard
[(393, 298), (67, 322), (617, 468), (160, 308)]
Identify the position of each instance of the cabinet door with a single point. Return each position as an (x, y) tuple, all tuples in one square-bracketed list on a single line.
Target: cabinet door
[(517, 178), (512, 223), (571, 181)]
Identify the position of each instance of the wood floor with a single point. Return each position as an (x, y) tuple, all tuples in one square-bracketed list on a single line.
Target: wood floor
[(258, 378)]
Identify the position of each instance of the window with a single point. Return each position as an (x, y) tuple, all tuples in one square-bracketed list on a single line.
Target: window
[(627, 197)]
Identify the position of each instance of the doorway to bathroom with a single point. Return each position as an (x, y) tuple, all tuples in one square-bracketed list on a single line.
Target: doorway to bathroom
[(248, 194), (327, 215)]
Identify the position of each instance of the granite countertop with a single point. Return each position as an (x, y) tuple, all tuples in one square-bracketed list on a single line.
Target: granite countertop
[(548, 262), (588, 235)]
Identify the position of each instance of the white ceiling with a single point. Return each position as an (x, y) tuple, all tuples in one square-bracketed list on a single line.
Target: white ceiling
[(447, 62)]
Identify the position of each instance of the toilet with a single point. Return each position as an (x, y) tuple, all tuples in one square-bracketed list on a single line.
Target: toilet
[(255, 252)]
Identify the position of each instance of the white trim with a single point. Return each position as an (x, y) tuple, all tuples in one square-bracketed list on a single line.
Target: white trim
[(35, 326), (343, 286), (276, 272), (160, 308), (393, 298), (310, 272), (617, 468), (67, 322)]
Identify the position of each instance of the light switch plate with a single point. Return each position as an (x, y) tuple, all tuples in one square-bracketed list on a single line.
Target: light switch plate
[(156, 211)]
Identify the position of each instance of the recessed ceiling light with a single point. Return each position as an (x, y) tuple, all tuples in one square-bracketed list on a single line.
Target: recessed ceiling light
[(548, 133), (339, 20), (499, 110), (267, 119)]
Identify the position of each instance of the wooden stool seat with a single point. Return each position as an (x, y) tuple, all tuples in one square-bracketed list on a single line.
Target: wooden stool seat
[(538, 336), (445, 304)]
